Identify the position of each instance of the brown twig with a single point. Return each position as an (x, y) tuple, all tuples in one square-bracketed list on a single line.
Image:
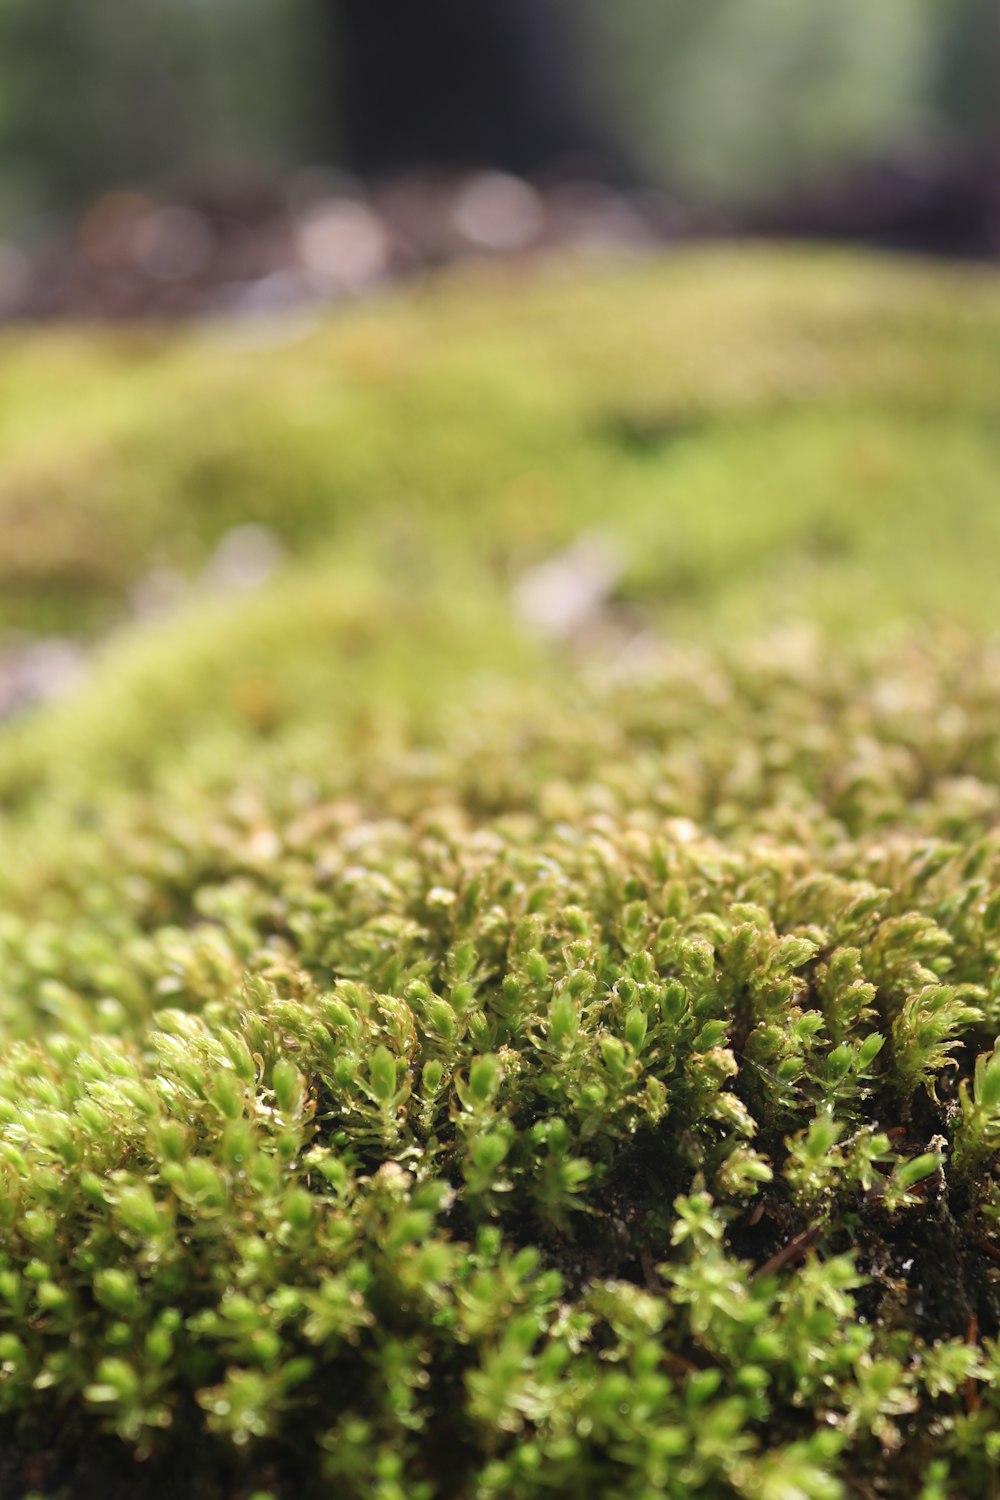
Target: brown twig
[(796, 1247), (971, 1384), (649, 1276)]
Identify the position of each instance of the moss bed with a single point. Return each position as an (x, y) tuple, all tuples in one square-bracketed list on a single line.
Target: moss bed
[(443, 1062)]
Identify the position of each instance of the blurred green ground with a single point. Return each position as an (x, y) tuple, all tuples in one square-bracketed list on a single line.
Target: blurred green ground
[(759, 437), (797, 418)]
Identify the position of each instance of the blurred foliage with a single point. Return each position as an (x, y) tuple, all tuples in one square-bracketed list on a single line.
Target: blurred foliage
[(729, 102), (145, 90), (734, 101)]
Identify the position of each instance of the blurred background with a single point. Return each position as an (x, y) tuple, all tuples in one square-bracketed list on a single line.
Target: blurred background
[(167, 155), (711, 438)]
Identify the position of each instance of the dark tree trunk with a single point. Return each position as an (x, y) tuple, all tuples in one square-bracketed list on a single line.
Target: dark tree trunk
[(467, 83)]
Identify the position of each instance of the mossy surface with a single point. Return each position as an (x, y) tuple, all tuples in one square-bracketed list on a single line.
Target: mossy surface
[(444, 1061), (745, 423)]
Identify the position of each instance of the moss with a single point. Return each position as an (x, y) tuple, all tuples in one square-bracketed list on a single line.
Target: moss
[(491, 417), (441, 1063)]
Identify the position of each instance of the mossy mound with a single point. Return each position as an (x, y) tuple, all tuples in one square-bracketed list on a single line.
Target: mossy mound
[(760, 432), (442, 1063)]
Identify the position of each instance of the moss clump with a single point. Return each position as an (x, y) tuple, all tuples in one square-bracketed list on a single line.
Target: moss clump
[(606, 1098), (439, 1065)]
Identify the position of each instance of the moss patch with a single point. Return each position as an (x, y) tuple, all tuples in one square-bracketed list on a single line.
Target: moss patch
[(441, 1062)]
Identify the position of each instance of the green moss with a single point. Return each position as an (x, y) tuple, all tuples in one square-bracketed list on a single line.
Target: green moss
[(441, 1063), (492, 417)]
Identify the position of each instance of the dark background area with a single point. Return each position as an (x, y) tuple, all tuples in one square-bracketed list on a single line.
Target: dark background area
[(877, 120)]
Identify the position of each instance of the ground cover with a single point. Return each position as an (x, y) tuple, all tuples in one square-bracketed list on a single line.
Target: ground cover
[(456, 1050)]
